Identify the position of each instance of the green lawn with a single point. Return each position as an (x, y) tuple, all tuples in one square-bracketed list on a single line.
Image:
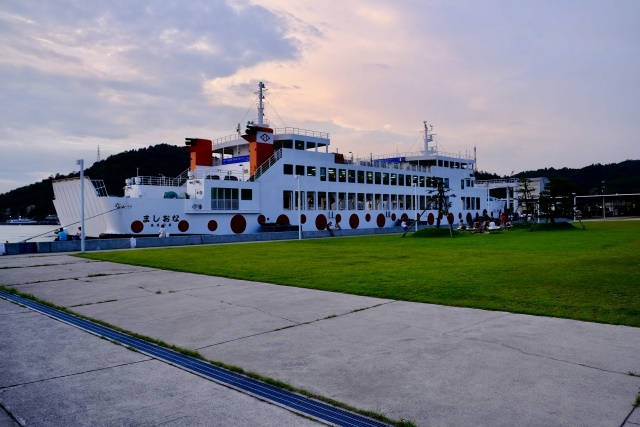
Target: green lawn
[(591, 274)]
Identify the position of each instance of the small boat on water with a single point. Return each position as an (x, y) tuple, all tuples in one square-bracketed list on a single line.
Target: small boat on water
[(279, 179), (21, 221)]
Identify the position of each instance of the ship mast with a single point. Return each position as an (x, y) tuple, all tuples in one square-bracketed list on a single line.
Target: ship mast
[(427, 137), (260, 93)]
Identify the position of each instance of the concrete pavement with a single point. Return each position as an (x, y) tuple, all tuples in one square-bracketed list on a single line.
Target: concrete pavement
[(431, 364)]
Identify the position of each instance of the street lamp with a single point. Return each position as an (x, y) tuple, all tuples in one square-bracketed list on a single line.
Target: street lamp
[(242, 167), (81, 164), (415, 202)]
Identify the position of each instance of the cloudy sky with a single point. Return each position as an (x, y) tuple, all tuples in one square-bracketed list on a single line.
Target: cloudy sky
[(531, 84)]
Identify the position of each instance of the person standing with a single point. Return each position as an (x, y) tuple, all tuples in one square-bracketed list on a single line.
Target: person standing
[(162, 233)]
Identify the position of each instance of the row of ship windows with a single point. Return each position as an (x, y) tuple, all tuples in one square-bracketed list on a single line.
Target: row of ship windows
[(229, 199), (369, 177), (312, 200)]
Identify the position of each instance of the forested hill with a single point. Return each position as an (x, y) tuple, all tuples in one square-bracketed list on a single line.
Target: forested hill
[(614, 178), (36, 200)]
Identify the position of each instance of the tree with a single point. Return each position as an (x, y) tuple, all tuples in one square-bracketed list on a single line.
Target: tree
[(556, 200), (441, 199), (525, 189)]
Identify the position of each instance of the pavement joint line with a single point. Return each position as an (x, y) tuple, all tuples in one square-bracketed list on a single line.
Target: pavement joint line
[(625, 422), (545, 357), (8, 387), (478, 323), (296, 324), (10, 415), (292, 401)]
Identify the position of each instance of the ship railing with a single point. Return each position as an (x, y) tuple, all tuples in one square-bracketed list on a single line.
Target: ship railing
[(496, 181), (161, 180), (219, 173), (303, 132), (266, 165), (228, 138), (431, 152), (402, 166)]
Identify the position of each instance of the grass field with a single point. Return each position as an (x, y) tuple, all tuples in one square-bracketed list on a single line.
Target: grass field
[(591, 274)]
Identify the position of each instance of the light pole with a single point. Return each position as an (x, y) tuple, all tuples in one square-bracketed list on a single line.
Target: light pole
[(415, 202), (81, 164), (299, 207), (574, 207)]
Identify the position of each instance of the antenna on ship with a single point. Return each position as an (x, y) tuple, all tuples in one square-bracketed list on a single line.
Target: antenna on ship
[(261, 89), (475, 160), (427, 137)]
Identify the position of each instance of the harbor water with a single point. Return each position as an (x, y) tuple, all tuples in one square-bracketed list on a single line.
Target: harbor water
[(30, 233)]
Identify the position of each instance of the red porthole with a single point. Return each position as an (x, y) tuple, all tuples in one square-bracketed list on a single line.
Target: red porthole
[(137, 226), (283, 220), (354, 221), (238, 224), (321, 222), (430, 219)]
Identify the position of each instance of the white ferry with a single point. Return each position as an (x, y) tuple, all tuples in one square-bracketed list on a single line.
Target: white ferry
[(278, 179)]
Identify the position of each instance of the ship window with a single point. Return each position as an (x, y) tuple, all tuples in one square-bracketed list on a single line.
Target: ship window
[(351, 175), (352, 201), (440, 163), (332, 174), (422, 180), (446, 182), (224, 198), (360, 201), (378, 177), (287, 200), (299, 169), (342, 175), (369, 177), (342, 201), (287, 143), (385, 178), (415, 180), (400, 179), (462, 184), (446, 163), (322, 200), (394, 179), (369, 202), (288, 169), (246, 194), (332, 200), (311, 200), (360, 177), (323, 174), (311, 171), (299, 145)]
